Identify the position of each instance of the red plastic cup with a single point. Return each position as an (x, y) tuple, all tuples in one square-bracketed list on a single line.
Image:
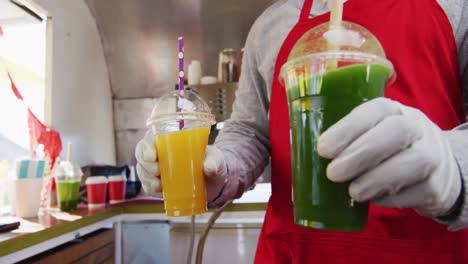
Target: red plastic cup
[(96, 187), (116, 189)]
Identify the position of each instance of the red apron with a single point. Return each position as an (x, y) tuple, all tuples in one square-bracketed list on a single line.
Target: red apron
[(418, 39)]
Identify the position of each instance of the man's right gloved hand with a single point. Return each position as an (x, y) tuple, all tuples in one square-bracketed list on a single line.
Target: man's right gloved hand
[(147, 165), (214, 168)]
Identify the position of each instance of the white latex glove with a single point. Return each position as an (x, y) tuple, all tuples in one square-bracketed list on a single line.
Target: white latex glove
[(394, 155), (147, 166), (214, 168)]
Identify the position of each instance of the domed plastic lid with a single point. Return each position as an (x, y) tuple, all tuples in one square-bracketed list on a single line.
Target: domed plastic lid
[(68, 170), (348, 43), (345, 37), (179, 110)]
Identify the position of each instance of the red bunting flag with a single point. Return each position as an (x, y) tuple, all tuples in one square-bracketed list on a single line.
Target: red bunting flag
[(40, 133)]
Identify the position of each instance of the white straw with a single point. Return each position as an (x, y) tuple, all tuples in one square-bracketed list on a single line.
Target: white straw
[(336, 13)]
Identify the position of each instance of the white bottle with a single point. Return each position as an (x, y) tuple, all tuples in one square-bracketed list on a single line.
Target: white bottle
[(194, 73)]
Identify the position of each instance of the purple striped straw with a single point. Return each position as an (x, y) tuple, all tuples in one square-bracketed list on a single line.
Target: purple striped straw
[(181, 79)]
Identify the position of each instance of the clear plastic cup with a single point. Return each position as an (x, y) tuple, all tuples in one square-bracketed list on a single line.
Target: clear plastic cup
[(181, 123), (68, 179), (330, 71)]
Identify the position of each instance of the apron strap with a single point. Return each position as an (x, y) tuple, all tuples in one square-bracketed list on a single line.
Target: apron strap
[(305, 12)]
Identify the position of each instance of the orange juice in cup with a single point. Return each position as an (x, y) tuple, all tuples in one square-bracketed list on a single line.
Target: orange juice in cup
[(181, 125), (182, 179)]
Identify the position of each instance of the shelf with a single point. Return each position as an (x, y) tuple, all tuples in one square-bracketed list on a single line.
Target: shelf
[(214, 86)]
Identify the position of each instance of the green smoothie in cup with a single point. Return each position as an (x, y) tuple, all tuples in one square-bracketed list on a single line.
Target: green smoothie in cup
[(68, 179), (330, 70), (67, 195), (318, 202)]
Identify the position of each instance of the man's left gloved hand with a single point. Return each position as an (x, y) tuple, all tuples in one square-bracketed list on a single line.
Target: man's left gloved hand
[(393, 155)]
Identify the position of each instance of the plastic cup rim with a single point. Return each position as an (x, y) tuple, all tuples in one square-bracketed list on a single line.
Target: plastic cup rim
[(60, 178), (198, 116), (338, 55)]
